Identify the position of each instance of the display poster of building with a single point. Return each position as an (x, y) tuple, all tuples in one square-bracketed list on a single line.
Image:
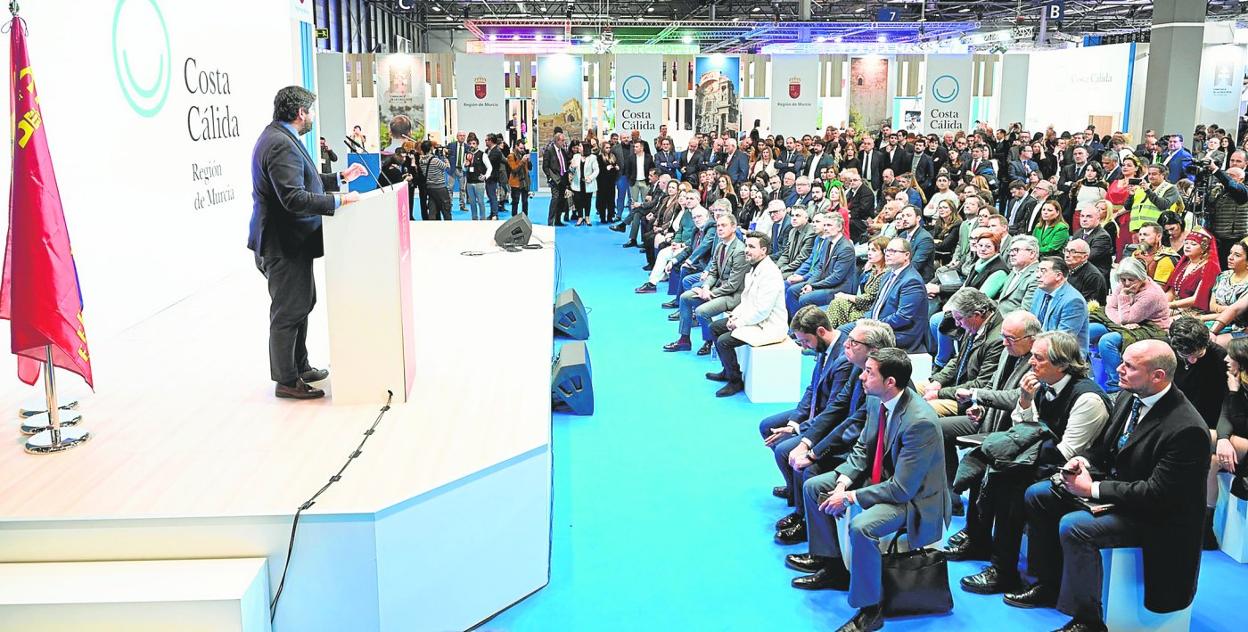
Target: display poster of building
[(718, 93), (560, 83), (401, 91), (868, 92)]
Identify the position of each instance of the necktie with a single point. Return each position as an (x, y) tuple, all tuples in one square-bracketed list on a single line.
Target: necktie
[(723, 252), (866, 166), (1044, 306), (814, 384), (1132, 420), (775, 233), (966, 354), (877, 466), (461, 154), (879, 301)]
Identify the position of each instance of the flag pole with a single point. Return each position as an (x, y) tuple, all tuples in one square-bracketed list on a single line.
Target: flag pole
[(54, 438)]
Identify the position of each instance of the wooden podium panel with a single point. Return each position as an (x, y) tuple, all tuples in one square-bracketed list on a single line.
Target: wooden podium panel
[(368, 270)]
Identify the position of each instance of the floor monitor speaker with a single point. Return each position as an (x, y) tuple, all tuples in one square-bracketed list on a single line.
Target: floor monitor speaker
[(570, 317), (514, 233), (571, 379)]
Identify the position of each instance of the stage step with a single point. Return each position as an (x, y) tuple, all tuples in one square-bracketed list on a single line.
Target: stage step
[(199, 595)]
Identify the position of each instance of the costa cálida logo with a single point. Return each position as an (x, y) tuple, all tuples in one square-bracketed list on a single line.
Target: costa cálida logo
[(478, 87), (795, 87)]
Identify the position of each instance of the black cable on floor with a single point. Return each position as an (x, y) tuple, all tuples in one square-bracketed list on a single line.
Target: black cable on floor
[(294, 527)]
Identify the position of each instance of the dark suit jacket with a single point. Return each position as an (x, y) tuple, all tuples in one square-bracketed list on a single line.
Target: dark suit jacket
[(825, 382), (861, 210), (904, 308), (1022, 221), (839, 269), (873, 172), (550, 163), (288, 197), (738, 167), (922, 253), (1159, 482), (780, 238), (630, 167), (729, 280), (822, 431), (796, 249), (1101, 247)]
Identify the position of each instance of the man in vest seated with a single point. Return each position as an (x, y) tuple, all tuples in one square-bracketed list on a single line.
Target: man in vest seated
[(1062, 411)]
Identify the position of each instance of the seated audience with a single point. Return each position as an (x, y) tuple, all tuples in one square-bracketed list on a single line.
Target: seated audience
[(718, 291), (1100, 243), (757, 320), (832, 268), (845, 307), (1231, 284), (1158, 258), (1051, 231), (1231, 435), (898, 483), (800, 243), (1060, 414), (1150, 464), (1191, 284), (1019, 288), (903, 298)]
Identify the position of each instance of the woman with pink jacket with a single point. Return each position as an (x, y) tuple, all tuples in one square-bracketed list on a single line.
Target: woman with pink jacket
[(1136, 310)]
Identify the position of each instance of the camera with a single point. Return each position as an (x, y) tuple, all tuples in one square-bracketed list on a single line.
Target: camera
[(1195, 167)]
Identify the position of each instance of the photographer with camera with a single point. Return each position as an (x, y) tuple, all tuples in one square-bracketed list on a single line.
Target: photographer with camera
[(434, 167), (1228, 204), (1148, 200)]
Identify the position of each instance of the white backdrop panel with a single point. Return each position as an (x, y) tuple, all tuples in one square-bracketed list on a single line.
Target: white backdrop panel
[(152, 108), (1064, 87), (479, 93), (794, 94)]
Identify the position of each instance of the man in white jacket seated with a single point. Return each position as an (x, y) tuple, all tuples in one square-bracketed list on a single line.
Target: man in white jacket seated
[(760, 318)]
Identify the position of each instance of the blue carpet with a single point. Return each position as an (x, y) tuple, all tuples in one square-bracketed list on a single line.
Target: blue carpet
[(662, 506)]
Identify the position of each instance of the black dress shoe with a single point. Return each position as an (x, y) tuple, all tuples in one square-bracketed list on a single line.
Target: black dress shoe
[(826, 578), (967, 550), (300, 390), (679, 345), (630, 244), (314, 375), (1239, 484), (956, 539), (1034, 596), (648, 267), (730, 389), (1075, 625), (792, 535), (780, 492), (705, 349), (1211, 538), (617, 228), (807, 563), (646, 288), (718, 377), (990, 581), (790, 520), (672, 304), (868, 619), (674, 316)]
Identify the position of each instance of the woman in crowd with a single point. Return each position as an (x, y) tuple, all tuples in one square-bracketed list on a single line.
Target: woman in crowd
[(846, 308), (659, 222), (1106, 210), (849, 158), (1191, 284), (985, 190), (755, 207), (1231, 436), (1231, 284), (1117, 193), (608, 176), (1174, 230), (518, 180), (764, 164), (836, 203), (1137, 309), (986, 272), (945, 229), (1088, 189), (583, 180), (1046, 160), (725, 191), (1051, 231)]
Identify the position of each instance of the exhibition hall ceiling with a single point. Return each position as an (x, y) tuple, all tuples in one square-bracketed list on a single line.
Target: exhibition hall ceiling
[(742, 25)]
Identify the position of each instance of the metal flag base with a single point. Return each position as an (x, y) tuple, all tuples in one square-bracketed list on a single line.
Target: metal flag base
[(50, 441), (35, 406), (39, 422)]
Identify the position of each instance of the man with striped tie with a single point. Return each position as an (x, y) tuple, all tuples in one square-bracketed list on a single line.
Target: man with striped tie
[(1150, 464)]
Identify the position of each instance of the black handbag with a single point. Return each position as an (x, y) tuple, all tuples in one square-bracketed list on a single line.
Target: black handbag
[(915, 582)]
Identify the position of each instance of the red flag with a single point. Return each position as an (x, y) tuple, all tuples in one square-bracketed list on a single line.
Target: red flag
[(39, 294)]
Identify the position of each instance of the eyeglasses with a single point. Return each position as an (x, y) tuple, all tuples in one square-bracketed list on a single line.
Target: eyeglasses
[(1009, 340), (850, 342), (895, 251), (1072, 251)]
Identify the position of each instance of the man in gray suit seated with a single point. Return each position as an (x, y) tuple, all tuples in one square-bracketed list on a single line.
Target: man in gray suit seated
[(895, 473), (720, 290)]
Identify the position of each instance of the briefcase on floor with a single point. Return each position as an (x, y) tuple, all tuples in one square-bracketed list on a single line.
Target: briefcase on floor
[(915, 582)]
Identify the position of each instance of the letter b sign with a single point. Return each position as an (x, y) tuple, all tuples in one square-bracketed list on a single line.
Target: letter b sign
[(1055, 10)]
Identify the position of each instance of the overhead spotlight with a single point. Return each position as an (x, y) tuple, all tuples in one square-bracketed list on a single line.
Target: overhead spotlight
[(687, 39), (838, 39), (860, 10), (539, 37), (515, 38), (881, 38), (493, 37), (964, 10), (649, 9), (756, 9), (436, 8), (821, 39), (559, 38)]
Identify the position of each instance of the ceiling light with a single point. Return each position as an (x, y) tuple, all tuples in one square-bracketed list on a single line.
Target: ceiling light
[(688, 39), (559, 38), (964, 10), (838, 39), (881, 38), (756, 10), (821, 39), (539, 37), (649, 9), (493, 37), (860, 10), (515, 38), (437, 8)]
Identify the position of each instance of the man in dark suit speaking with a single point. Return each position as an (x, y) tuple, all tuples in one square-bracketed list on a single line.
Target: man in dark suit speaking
[(288, 200)]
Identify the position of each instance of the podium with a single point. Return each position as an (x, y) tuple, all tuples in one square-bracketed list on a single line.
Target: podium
[(368, 279)]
